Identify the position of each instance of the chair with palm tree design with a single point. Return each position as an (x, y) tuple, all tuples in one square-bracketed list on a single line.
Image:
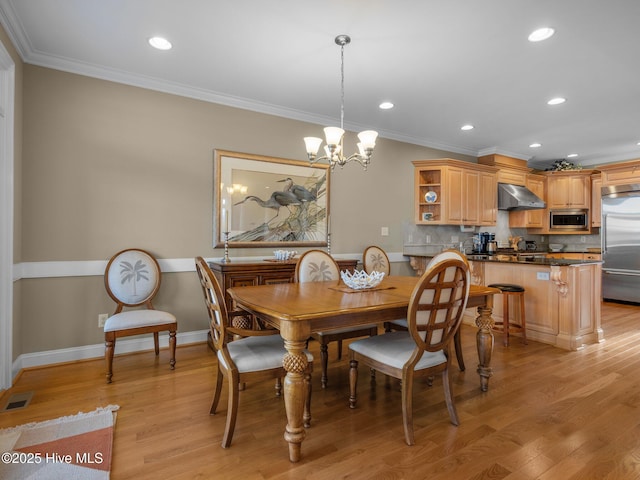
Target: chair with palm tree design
[(132, 279), (319, 266), (375, 258)]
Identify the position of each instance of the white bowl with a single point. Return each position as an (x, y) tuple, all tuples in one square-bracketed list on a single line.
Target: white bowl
[(359, 279), (284, 255), (556, 247)]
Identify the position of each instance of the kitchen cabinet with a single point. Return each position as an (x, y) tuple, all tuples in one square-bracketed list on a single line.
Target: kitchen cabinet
[(562, 303), (452, 192), (568, 189), (596, 200), (488, 202), (575, 256), (464, 194), (623, 173), (428, 194), (531, 218)]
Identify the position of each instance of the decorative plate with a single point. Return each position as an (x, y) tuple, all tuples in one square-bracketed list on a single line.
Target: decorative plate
[(430, 196)]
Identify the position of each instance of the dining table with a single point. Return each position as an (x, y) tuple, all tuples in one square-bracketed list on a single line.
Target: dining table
[(298, 309)]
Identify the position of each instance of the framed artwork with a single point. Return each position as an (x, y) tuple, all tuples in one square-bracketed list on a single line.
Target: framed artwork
[(269, 202)]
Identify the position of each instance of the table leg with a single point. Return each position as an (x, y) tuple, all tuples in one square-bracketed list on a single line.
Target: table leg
[(484, 340), (295, 363)]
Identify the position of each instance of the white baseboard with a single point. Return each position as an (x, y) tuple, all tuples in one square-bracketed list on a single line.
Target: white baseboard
[(131, 345)]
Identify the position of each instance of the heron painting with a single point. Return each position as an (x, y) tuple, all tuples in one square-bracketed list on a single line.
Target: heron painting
[(264, 201)]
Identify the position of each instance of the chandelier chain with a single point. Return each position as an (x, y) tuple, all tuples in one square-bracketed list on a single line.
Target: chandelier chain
[(342, 86)]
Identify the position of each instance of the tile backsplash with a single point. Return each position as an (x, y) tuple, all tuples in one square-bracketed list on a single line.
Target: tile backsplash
[(432, 239)]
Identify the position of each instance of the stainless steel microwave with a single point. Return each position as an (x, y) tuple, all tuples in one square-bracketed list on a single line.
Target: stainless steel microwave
[(569, 220)]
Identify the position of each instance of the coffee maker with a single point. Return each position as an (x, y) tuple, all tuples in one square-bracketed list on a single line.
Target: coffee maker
[(481, 242)]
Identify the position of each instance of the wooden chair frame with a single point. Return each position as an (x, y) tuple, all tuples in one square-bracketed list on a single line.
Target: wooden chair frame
[(222, 334), (440, 296), (110, 336), (325, 338)]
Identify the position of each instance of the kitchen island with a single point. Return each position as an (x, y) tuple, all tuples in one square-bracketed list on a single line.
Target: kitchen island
[(562, 298)]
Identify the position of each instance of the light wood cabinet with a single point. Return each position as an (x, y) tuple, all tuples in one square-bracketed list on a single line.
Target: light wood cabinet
[(562, 303), (488, 195), (575, 256), (620, 173), (465, 193), (531, 218), (567, 189), (428, 181), (596, 200)]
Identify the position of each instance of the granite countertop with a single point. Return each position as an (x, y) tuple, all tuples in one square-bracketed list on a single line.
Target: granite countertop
[(528, 260), (525, 258)]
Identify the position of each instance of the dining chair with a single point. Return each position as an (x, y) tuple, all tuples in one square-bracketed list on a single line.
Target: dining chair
[(253, 355), (132, 279), (375, 258), (434, 314), (401, 324), (319, 266)]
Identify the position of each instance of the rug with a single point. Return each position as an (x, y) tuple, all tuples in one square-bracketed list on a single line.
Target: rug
[(74, 447)]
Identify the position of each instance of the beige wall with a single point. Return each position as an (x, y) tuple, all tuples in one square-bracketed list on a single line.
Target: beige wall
[(108, 166)]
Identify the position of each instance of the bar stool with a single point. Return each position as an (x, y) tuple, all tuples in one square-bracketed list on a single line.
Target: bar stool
[(510, 290)]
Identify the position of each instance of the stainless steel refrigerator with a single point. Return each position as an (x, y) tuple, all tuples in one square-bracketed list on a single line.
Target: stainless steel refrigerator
[(620, 235)]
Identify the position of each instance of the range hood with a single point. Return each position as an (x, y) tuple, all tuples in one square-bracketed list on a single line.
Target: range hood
[(517, 197)]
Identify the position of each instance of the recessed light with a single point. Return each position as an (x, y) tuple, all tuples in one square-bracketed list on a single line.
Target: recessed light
[(556, 101), (541, 34), (386, 105), (535, 145), (160, 43), (572, 155), (466, 127)]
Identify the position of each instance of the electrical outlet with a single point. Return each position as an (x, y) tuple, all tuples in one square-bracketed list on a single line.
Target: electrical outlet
[(427, 239), (101, 319), (583, 239), (542, 238), (455, 239), (384, 231)]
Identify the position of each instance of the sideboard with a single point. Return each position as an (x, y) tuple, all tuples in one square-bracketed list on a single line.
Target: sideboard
[(244, 273)]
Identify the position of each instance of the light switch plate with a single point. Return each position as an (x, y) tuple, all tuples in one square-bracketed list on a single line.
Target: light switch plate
[(384, 231)]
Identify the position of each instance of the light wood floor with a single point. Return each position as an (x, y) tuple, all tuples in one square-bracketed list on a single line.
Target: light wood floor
[(548, 414)]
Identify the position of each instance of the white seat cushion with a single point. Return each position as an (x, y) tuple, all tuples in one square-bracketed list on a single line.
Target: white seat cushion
[(137, 318), (253, 354), (394, 349), (346, 329)]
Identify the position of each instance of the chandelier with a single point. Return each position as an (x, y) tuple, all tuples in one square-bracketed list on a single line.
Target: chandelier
[(334, 151)]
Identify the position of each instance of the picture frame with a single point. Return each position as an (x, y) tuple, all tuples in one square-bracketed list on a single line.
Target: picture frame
[(269, 202)]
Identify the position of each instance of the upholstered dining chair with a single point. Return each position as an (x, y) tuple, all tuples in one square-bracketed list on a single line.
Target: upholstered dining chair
[(375, 258), (254, 355), (401, 324), (434, 314), (132, 279), (319, 266)]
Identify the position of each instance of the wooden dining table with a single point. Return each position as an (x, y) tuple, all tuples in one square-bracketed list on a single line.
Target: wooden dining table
[(298, 309)]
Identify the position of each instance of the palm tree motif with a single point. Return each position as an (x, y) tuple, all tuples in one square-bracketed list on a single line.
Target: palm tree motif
[(319, 273), (134, 273), (378, 262)]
